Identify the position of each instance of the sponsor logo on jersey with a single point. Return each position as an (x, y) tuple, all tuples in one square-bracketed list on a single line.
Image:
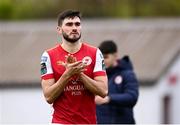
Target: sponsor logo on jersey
[(59, 62), (43, 68), (75, 89), (118, 79), (74, 79), (87, 60)]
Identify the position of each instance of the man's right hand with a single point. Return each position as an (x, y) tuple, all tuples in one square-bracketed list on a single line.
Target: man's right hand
[(73, 66)]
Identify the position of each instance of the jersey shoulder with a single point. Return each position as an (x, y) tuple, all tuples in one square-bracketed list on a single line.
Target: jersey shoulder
[(52, 52), (55, 48), (90, 47)]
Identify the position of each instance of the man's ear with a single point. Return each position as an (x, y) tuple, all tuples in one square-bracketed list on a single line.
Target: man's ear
[(58, 29)]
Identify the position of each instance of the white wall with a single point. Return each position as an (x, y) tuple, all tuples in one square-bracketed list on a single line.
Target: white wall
[(150, 103), (147, 109), (175, 111), (25, 106)]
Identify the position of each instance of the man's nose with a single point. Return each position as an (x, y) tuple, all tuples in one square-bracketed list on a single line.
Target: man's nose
[(74, 30), (74, 26)]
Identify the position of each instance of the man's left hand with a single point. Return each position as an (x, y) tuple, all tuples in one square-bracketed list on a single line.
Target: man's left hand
[(99, 100)]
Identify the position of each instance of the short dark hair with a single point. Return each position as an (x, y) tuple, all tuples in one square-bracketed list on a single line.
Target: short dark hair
[(108, 47), (66, 14)]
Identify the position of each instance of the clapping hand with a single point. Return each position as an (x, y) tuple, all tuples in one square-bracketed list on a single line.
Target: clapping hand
[(73, 66)]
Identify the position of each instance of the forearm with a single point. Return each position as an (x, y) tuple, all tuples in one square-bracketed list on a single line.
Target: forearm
[(124, 99), (96, 87), (54, 91)]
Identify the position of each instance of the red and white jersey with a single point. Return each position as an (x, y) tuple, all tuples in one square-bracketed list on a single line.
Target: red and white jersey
[(76, 104)]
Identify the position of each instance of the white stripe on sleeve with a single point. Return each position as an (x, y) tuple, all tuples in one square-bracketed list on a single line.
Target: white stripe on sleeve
[(46, 67), (99, 62)]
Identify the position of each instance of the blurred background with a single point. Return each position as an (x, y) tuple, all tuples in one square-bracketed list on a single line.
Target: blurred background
[(146, 30)]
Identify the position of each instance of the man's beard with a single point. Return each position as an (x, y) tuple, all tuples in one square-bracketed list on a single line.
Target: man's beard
[(71, 40)]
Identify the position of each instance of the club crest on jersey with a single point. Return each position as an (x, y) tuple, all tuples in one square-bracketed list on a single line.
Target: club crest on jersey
[(118, 79), (87, 60)]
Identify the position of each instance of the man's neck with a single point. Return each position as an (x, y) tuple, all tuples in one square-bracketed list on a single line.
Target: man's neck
[(71, 47)]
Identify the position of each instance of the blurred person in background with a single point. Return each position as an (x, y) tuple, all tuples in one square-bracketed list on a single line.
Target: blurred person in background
[(117, 106), (72, 74)]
